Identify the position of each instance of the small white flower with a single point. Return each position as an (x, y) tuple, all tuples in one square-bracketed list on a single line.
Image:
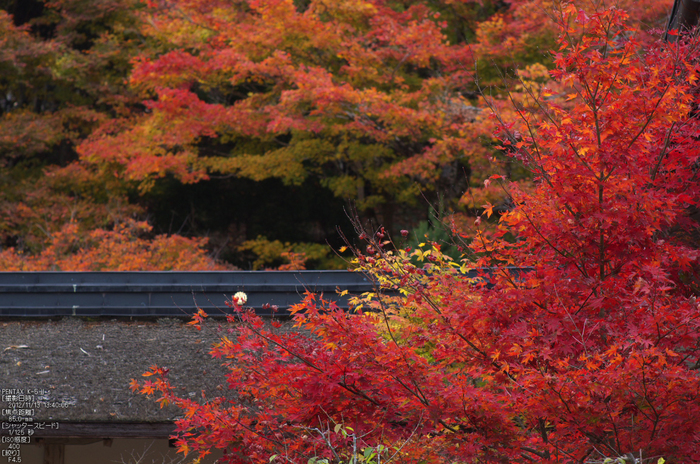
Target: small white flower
[(240, 298)]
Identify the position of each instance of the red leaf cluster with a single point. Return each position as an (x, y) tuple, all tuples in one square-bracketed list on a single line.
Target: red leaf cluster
[(592, 353)]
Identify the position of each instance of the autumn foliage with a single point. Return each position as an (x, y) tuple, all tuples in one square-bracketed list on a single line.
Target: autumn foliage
[(232, 121), (588, 352), (126, 247)]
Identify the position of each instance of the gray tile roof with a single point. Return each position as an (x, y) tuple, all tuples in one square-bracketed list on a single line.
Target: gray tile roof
[(86, 366)]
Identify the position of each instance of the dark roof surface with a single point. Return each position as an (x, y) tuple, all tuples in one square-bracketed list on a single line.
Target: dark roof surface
[(87, 365), (165, 293)]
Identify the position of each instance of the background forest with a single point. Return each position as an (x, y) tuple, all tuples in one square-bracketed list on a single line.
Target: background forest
[(210, 134)]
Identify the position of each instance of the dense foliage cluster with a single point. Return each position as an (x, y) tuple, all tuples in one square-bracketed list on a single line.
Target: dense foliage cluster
[(587, 352), (256, 123)]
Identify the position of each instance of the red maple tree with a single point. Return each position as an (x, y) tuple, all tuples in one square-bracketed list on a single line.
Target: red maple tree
[(592, 354)]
